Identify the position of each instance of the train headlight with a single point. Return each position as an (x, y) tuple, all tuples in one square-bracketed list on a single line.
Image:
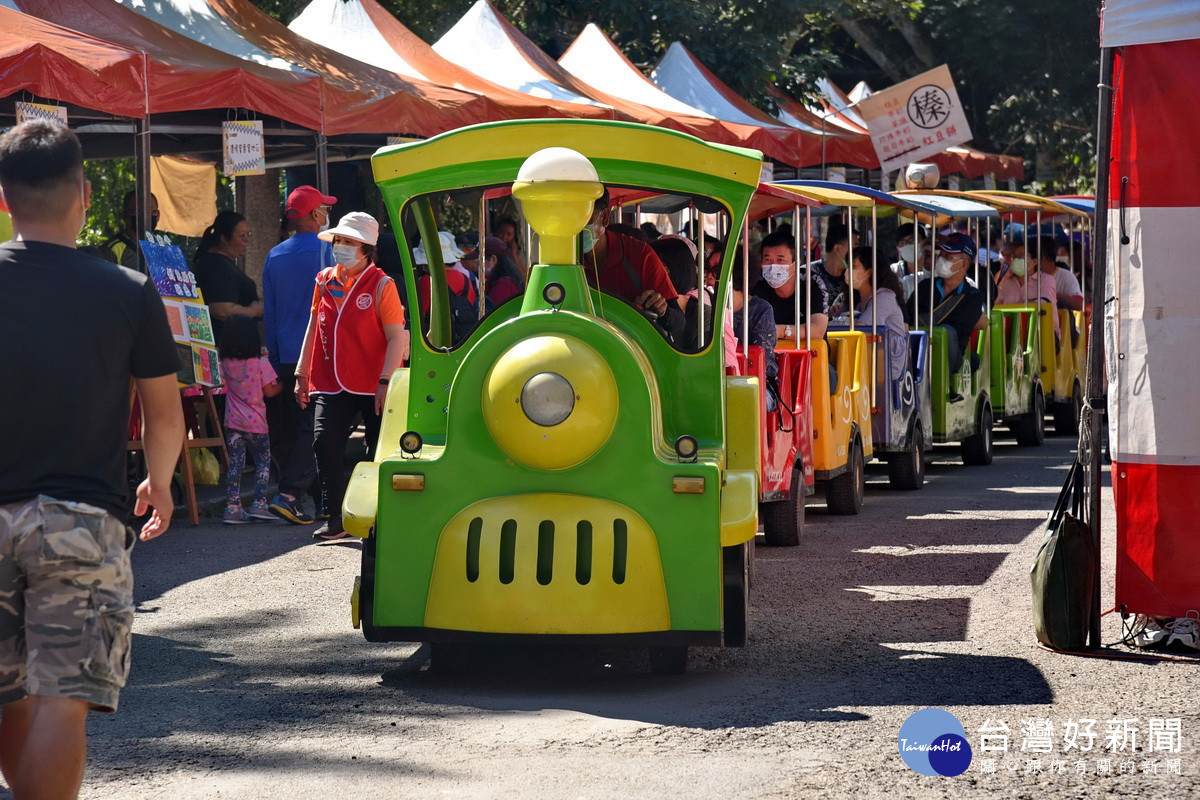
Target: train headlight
[(547, 399), (550, 402)]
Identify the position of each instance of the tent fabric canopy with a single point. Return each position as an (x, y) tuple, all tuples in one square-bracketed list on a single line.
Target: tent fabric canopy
[(184, 75), (364, 30), (357, 97), (57, 63)]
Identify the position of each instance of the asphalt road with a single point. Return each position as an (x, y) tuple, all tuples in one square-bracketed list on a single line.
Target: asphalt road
[(249, 682)]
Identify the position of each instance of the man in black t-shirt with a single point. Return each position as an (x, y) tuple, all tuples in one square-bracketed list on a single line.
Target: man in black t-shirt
[(77, 332)]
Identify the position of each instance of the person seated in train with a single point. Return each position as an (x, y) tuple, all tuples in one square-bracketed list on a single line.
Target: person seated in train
[(958, 307), (830, 270), (678, 255), (877, 298), (912, 247), (781, 278), (754, 316), (627, 268), (1021, 283)]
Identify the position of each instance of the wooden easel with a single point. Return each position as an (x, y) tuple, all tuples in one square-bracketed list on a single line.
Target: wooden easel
[(192, 439)]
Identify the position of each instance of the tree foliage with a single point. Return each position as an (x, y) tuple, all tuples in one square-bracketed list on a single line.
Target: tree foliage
[(1026, 71)]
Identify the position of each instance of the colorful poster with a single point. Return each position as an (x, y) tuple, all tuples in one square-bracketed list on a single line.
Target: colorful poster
[(170, 271), (206, 365), (175, 318), (243, 148), (199, 324), (41, 111), (915, 119)]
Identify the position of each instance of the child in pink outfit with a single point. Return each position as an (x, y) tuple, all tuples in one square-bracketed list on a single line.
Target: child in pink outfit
[(248, 379)]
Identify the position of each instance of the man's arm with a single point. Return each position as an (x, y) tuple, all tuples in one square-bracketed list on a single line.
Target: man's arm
[(270, 331), (162, 421)]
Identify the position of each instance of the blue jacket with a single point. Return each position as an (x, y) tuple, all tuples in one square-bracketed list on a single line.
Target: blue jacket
[(289, 275)]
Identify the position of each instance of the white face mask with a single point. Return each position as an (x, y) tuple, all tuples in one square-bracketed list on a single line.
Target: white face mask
[(908, 252), (1018, 266), (776, 275), (943, 268), (346, 254)]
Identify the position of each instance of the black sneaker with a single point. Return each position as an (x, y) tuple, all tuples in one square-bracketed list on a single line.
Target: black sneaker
[(291, 510), (955, 397)]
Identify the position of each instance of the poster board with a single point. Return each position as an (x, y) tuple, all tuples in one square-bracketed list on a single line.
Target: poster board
[(915, 119), (188, 317), (242, 143)]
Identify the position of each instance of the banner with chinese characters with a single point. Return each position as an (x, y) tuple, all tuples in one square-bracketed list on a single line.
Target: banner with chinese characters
[(243, 146), (915, 119), (27, 111)]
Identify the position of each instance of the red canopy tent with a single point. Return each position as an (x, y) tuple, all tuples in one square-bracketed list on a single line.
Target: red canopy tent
[(61, 64)]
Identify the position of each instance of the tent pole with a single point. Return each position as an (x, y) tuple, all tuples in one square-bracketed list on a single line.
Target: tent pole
[(322, 164), (1094, 403), (142, 180)]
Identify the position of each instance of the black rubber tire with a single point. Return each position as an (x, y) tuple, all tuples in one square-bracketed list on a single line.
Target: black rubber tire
[(844, 494), (735, 571), (449, 658), (906, 471), (783, 520), (1030, 429), (977, 449), (1067, 415), (668, 660)]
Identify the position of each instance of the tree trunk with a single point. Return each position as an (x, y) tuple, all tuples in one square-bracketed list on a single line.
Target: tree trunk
[(875, 50), (912, 34)]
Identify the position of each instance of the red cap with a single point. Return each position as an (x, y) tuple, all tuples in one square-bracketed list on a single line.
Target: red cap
[(304, 199)]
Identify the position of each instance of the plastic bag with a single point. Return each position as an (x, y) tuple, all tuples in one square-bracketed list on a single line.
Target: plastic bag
[(205, 469)]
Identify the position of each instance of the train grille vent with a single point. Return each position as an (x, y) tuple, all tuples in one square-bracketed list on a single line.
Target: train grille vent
[(548, 537)]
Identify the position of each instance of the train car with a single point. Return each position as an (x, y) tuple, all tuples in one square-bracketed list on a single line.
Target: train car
[(563, 473)]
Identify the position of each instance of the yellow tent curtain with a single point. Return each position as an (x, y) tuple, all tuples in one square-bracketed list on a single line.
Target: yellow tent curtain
[(187, 194)]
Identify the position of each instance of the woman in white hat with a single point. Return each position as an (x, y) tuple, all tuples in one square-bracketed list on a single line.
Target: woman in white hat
[(354, 341)]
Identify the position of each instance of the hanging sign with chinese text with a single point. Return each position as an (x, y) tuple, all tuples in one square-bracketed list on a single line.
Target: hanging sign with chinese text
[(915, 119), (243, 146), (27, 111)]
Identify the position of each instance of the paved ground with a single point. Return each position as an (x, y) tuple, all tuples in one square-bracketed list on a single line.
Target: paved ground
[(249, 683)]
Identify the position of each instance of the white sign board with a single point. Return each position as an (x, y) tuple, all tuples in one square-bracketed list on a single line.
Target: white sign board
[(836, 174), (26, 111), (915, 119), (243, 146)]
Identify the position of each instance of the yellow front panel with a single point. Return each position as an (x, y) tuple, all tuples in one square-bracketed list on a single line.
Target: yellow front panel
[(615, 593)]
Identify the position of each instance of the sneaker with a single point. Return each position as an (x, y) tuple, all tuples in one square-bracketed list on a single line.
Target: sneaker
[(1148, 632), (291, 510), (330, 531), (235, 516), (1185, 633), (955, 397), (261, 511)]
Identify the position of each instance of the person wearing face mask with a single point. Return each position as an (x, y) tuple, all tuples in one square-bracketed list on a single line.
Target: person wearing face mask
[(754, 313), (877, 293), (779, 285), (830, 271), (1020, 284), (226, 289), (958, 307), (123, 248), (912, 245), (288, 275), (355, 340), (626, 268)]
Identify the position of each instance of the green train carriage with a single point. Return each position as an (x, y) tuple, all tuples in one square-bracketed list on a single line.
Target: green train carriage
[(564, 473)]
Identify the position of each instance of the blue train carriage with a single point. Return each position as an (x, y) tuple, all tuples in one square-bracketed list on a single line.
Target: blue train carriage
[(563, 473)]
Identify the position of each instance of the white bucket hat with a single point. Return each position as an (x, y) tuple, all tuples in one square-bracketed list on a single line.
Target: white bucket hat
[(357, 225), (451, 252)]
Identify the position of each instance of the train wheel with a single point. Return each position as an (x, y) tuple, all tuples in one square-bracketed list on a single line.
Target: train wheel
[(783, 520), (1030, 429), (977, 449), (668, 660), (907, 470), (1067, 415), (736, 574), (844, 494)]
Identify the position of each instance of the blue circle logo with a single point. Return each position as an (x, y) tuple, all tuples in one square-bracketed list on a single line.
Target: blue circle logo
[(934, 742)]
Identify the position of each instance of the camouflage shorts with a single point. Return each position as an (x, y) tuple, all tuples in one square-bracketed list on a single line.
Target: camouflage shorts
[(66, 602)]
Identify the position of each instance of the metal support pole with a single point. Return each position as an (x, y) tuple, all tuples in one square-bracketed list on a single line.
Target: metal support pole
[(322, 164), (142, 182), (1089, 430), (481, 254)]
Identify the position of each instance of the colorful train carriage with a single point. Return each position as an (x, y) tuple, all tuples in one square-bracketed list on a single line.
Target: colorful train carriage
[(564, 473)]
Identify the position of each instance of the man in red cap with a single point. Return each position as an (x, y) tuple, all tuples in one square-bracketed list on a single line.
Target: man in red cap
[(289, 274)]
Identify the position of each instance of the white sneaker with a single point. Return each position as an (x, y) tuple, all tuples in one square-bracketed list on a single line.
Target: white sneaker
[(1185, 631), (1147, 632)]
